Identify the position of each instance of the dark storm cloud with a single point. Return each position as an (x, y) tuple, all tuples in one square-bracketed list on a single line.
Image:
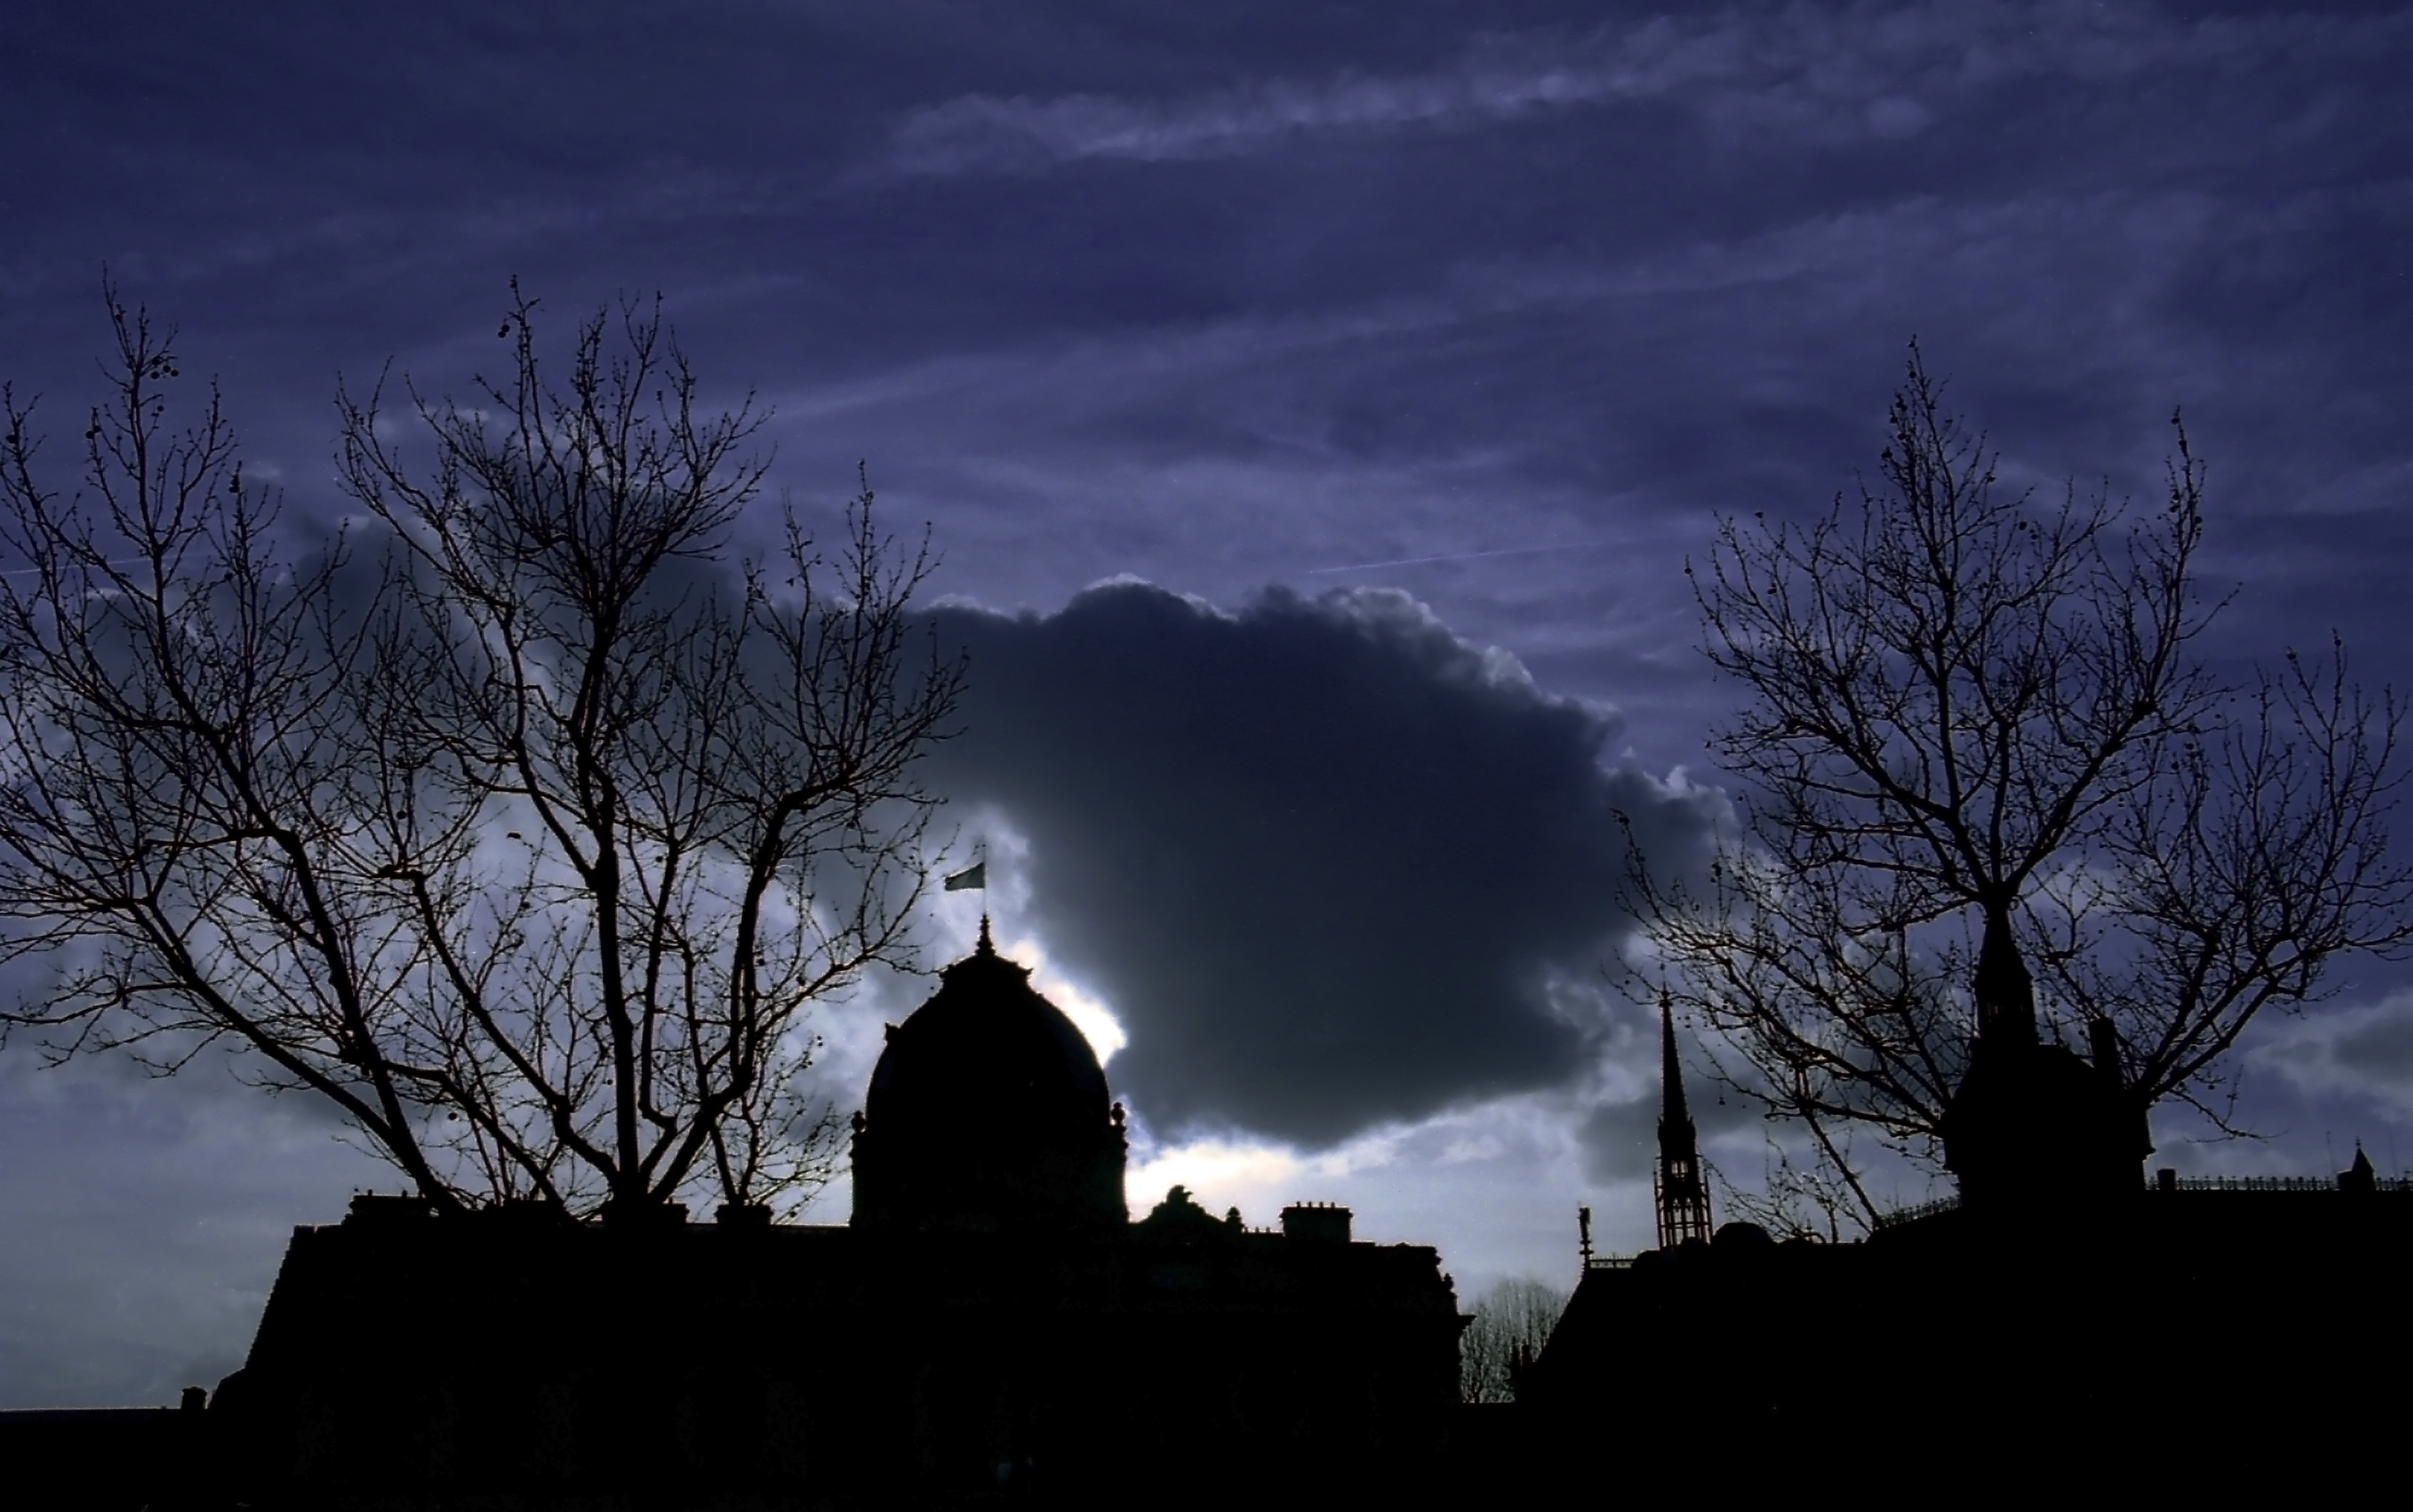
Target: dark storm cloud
[(1330, 864), (2364, 1052), (1225, 295)]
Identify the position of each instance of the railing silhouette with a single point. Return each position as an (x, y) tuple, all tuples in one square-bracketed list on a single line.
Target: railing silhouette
[(2277, 1183), (1916, 1211), (2185, 1183)]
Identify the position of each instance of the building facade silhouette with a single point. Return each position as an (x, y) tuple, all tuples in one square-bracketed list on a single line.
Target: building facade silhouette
[(2060, 1317), (992, 1326), (989, 1325)]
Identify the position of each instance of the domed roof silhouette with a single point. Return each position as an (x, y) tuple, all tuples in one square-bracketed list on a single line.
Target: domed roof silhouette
[(987, 1047), (987, 1111)]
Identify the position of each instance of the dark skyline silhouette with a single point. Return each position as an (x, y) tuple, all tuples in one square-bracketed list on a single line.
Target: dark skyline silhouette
[(992, 1327), (2059, 1317), (1469, 315)]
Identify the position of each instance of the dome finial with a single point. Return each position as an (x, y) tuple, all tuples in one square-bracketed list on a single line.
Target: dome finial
[(985, 948)]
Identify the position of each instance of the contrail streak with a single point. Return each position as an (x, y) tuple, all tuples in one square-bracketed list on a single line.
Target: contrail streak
[(1453, 557), (113, 561)]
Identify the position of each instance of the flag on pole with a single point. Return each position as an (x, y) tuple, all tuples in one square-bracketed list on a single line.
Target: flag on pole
[(973, 876)]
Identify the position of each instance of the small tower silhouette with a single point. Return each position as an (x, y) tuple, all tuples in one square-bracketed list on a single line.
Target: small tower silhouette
[(1683, 1198)]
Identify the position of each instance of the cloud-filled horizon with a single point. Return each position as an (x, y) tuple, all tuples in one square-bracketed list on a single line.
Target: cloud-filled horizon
[(1315, 413)]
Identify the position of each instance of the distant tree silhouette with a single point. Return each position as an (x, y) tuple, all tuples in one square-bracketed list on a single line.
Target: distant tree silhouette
[(1511, 1323), (506, 826), (1987, 772)]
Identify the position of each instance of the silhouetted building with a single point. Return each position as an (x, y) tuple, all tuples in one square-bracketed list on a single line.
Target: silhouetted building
[(2032, 1130), (108, 1459), (2060, 1301), (989, 1325)]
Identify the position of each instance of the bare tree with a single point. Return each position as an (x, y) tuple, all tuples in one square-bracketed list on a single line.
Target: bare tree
[(1989, 779), (1510, 1325), (529, 837)]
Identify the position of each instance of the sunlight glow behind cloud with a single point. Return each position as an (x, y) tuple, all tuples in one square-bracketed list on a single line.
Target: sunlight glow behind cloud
[(1006, 901), (1219, 1174)]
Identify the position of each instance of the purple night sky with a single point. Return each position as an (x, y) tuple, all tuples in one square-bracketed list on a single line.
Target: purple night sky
[(1315, 404)]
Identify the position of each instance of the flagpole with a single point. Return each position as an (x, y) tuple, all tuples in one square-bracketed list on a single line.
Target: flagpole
[(974, 878)]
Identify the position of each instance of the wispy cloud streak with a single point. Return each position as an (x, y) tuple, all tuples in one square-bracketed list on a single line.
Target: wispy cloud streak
[(1867, 71), (1450, 556)]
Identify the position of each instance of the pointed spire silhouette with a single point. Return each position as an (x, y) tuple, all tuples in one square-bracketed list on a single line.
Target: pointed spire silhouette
[(985, 948), (1683, 1198), (2006, 991), (2361, 1175), (1672, 1108)]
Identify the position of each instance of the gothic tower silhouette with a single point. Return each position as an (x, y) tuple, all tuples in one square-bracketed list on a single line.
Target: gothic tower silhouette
[(2032, 1126), (1684, 1196)]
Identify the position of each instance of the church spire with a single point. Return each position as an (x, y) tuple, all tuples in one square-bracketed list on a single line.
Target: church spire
[(2006, 991), (1684, 1196), (1672, 1110)]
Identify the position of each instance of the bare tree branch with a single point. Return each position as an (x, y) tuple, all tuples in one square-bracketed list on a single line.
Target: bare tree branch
[(1982, 753), (532, 842)]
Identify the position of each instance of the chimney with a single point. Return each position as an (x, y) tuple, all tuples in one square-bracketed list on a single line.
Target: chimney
[(2104, 1040), (1316, 1222), (384, 1209)]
